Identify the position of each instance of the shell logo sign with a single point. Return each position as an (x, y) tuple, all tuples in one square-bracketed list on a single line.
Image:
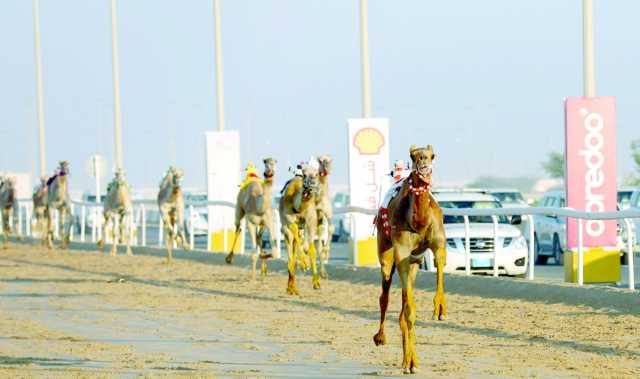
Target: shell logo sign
[(369, 141), (368, 167)]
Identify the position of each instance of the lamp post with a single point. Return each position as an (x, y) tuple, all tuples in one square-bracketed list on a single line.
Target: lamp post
[(587, 48), (218, 51), (364, 55), (117, 124), (39, 101)]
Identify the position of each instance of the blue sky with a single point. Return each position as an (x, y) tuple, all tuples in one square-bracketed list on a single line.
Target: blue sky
[(483, 81)]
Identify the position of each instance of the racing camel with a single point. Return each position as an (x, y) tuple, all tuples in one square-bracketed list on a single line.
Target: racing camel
[(7, 204), (171, 205), (118, 209), (298, 213), (325, 213), (411, 223), (58, 199), (39, 199), (254, 203)]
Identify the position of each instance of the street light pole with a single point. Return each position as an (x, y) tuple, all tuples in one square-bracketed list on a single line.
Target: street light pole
[(39, 101), (218, 51), (587, 48), (116, 85), (364, 52)]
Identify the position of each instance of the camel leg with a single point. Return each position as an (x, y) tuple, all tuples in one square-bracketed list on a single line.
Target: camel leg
[(251, 228), (116, 235), (387, 267), (65, 230), (322, 229), (168, 229), (263, 256), (105, 221), (5, 228), (407, 273), (229, 257), (439, 301), (291, 240), (50, 227), (313, 248), (125, 232)]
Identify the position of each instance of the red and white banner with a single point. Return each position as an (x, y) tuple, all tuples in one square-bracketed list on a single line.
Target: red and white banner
[(590, 167)]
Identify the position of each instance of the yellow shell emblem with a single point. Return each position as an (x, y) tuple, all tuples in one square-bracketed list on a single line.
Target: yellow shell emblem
[(368, 141)]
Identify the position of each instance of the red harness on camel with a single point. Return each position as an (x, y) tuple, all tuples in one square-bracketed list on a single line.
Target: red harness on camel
[(417, 189)]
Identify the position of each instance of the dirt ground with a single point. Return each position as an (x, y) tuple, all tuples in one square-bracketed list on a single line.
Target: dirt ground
[(85, 314)]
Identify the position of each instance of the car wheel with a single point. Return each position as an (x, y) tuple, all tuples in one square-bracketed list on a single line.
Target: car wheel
[(557, 250), (539, 259)]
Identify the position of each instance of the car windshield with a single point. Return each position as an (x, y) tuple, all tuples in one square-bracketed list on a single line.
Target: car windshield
[(485, 204), (624, 198), (509, 197)]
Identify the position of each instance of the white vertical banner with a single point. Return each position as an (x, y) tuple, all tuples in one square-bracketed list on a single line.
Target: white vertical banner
[(368, 168), (223, 175)]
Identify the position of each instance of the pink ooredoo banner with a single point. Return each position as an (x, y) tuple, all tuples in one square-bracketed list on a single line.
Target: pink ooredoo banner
[(590, 164)]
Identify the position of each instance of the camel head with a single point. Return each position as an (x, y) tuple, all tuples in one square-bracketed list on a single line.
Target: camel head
[(119, 178), (310, 182), (177, 176), (325, 162), (422, 161), (63, 168), (269, 167)]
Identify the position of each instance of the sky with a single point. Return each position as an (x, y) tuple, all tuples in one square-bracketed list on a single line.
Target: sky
[(482, 81)]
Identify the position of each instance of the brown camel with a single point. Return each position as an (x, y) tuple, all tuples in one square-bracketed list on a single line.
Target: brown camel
[(411, 223), (171, 206), (58, 199), (118, 206), (325, 213), (298, 214), (7, 204), (254, 203), (39, 198)]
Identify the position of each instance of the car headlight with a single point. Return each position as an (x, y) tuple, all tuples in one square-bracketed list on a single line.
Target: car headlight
[(519, 243)]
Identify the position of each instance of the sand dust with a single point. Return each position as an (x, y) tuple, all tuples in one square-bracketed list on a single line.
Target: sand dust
[(86, 314)]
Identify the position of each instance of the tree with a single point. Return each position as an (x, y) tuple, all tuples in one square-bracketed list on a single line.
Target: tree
[(554, 165), (635, 154)]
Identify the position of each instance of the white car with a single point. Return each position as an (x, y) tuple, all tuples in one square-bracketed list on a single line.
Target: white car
[(199, 219), (634, 204), (511, 250)]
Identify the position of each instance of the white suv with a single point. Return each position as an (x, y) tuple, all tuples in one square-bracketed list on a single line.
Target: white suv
[(550, 233), (512, 247)]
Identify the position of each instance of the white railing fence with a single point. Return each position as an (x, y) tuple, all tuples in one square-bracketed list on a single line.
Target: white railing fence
[(144, 211)]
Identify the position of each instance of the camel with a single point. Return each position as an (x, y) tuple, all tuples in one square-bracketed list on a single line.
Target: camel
[(299, 217), (411, 223), (58, 199), (325, 213), (117, 208), (171, 205), (254, 203), (7, 203), (39, 198)]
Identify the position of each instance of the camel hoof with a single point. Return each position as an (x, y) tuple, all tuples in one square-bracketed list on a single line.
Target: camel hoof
[(229, 259), (442, 317), (316, 286), (414, 370), (406, 370), (379, 339), (292, 291)]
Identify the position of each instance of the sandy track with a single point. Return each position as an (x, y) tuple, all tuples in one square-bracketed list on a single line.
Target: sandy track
[(85, 314)]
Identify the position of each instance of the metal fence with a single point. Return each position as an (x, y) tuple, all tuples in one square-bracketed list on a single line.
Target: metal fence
[(142, 208)]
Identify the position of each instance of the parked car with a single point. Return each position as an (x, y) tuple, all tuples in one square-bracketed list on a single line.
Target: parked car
[(634, 203), (624, 197), (551, 231), (341, 222), (509, 198), (199, 219), (511, 250)]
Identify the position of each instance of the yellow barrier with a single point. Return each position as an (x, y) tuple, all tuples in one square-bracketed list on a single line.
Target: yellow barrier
[(217, 241), (600, 266), (367, 252)]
